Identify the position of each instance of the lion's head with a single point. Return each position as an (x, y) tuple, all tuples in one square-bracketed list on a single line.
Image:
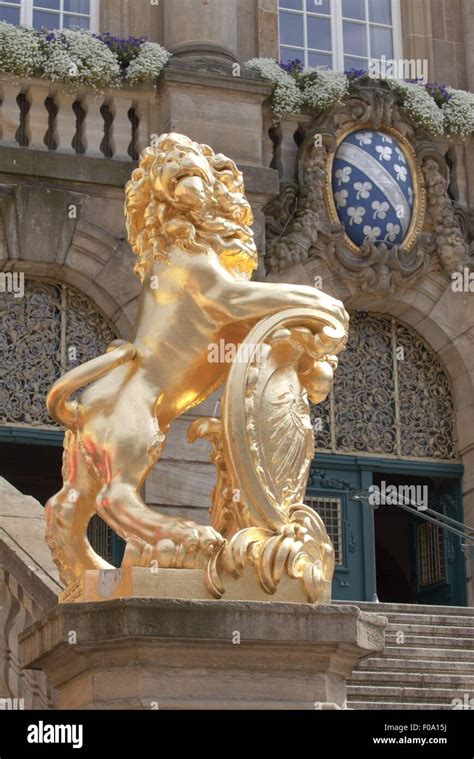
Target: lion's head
[(183, 194)]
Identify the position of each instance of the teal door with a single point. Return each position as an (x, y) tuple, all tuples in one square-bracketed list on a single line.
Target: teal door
[(386, 550), (439, 559), (329, 493)]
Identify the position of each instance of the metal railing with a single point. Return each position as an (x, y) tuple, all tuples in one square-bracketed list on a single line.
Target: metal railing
[(463, 531)]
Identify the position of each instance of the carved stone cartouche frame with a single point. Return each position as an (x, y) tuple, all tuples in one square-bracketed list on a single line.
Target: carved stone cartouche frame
[(302, 224)]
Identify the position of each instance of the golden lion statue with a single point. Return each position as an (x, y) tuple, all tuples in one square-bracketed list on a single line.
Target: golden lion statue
[(189, 224)]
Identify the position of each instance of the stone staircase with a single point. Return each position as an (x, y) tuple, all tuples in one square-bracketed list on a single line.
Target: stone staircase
[(427, 667)]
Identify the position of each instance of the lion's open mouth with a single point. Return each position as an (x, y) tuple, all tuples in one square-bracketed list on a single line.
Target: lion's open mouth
[(187, 174)]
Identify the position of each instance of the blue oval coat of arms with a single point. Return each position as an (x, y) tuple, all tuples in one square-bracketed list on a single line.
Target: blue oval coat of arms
[(372, 188)]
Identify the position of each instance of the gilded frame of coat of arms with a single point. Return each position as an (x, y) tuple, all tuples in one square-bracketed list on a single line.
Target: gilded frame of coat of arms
[(419, 190)]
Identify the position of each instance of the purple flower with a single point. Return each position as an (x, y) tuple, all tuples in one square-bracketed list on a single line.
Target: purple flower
[(124, 48), (355, 73), (294, 66), (439, 92)]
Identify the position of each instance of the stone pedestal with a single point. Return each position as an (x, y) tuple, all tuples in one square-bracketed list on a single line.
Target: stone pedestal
[(185, 584), (173, 654)]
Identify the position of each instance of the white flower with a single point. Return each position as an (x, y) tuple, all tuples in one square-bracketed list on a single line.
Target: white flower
[(20, 50), (386, 138), (419, 105), (363, 189), (400, 155), (343, 175), (147, 65), (341, 198), (322, 88), (76, 57), (286, 97), (401, 172), (385, 154), (410, 193), (392, 231), (371, 233), (365, 138), (458, 113), (355, 214), (380, 209)]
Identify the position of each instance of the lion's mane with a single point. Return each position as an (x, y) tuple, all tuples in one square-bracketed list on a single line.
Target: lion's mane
[(219, 216)]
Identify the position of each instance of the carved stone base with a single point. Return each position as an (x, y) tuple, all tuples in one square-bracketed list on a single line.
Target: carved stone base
[(145, 582), (173, 654)]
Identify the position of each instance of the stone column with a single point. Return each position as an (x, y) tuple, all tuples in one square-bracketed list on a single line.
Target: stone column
[(468, 27), (201, 28), (417, 32), (160, 653)]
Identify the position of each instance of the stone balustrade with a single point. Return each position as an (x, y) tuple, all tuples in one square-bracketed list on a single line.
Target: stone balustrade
[(42, 115), (29, 587)]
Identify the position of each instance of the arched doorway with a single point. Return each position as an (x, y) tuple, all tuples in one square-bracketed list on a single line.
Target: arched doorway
[(48, 330), (389, 422)]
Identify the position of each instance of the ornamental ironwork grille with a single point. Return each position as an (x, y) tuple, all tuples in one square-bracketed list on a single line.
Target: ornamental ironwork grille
[(431, 563), (390, 397), (330, 511), (101, 537), (49, 330)]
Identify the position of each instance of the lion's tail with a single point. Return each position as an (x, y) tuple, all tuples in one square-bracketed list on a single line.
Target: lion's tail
[(62, 410)]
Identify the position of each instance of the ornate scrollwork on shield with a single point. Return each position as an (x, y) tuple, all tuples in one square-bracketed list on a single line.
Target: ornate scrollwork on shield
[(263, 449), (372, 202)]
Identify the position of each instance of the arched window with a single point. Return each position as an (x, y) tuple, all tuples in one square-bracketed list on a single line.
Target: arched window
[(51, 14), (391, 396), (49, 329), (339, 34)]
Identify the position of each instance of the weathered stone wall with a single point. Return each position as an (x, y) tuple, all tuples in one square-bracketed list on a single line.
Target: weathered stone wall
[(247, 28), (440, 31)]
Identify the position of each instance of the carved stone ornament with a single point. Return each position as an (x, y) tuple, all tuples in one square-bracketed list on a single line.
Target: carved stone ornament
[(371, 200)]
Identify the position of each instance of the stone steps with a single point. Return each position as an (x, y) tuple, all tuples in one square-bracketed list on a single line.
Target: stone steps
[(421, 610), (435, 630), (431, 679), (432, 653), (432, 668), (421, 641), (395, 706), (414, 695), (422, 666)]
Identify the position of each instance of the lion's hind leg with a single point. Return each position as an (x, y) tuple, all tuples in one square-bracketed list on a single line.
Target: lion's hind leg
[(68, 513), (151, 536)]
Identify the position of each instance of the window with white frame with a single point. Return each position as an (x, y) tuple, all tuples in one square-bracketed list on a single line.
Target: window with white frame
[(51, 14), (339, 34)]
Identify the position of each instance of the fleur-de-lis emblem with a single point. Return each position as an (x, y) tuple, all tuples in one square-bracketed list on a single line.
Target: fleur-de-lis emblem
[(355, 214), (401, 172), (380, 209), (343, 175), (371, 233), (392, 231), (385, 153), (341, 198), (363, 189), (386, 138), (365, 138)]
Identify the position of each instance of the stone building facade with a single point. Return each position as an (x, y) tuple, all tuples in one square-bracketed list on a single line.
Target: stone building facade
[(62, 225)]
